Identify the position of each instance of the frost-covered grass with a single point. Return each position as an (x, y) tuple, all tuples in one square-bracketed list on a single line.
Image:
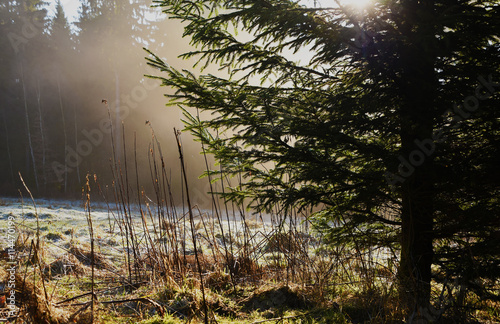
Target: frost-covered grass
[(253, 268), (133, 247)]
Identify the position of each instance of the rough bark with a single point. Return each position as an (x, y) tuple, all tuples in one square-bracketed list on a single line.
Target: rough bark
[(418, 112)]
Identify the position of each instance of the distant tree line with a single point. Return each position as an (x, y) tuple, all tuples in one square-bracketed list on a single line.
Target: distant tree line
[(56, 83)]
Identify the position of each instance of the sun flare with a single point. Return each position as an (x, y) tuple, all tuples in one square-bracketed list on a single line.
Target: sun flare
[(356, 3)]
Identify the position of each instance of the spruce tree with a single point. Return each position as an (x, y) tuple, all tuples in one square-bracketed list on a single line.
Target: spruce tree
[(60, 33), (386, 118)]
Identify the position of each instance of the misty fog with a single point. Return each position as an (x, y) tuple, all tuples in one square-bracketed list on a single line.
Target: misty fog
[(67, 87)]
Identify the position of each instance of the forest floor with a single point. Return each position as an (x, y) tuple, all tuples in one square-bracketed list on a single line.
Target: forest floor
[(143, 269)]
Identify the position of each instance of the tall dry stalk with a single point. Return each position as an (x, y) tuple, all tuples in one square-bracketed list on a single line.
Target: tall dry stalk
[(150, 247), (91, 234), (36, 247), (228, 255), (120, 202), (166, 227), (191, 221), (124, 203)]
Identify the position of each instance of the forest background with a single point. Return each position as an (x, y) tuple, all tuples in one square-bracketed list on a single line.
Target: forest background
[(58, 79)]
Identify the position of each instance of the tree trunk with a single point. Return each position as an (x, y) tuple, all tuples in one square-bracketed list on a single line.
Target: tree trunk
[(42, 134), (417, 194), (416, 246), (417, 115), (76, 146), (8, 147), (28, 128), (118, 120), (65, 136)]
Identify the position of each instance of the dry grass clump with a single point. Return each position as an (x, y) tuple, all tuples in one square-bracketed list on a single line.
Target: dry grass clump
[(168, 226), (374, 305), (66, 265), (24, 238), (239, 266), (54, 236), (34, 307), (84, 256), (183, 301), (218, 281), (243, 266), (282, 242), (253, 223), (186, 302), (207, 263), (276, 297), (156, 266)]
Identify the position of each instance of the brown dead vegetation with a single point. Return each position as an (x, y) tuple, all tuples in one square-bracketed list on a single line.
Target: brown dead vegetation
[(276, 297), (68, 264), (34, 306), (83, 255), (282, 242)]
